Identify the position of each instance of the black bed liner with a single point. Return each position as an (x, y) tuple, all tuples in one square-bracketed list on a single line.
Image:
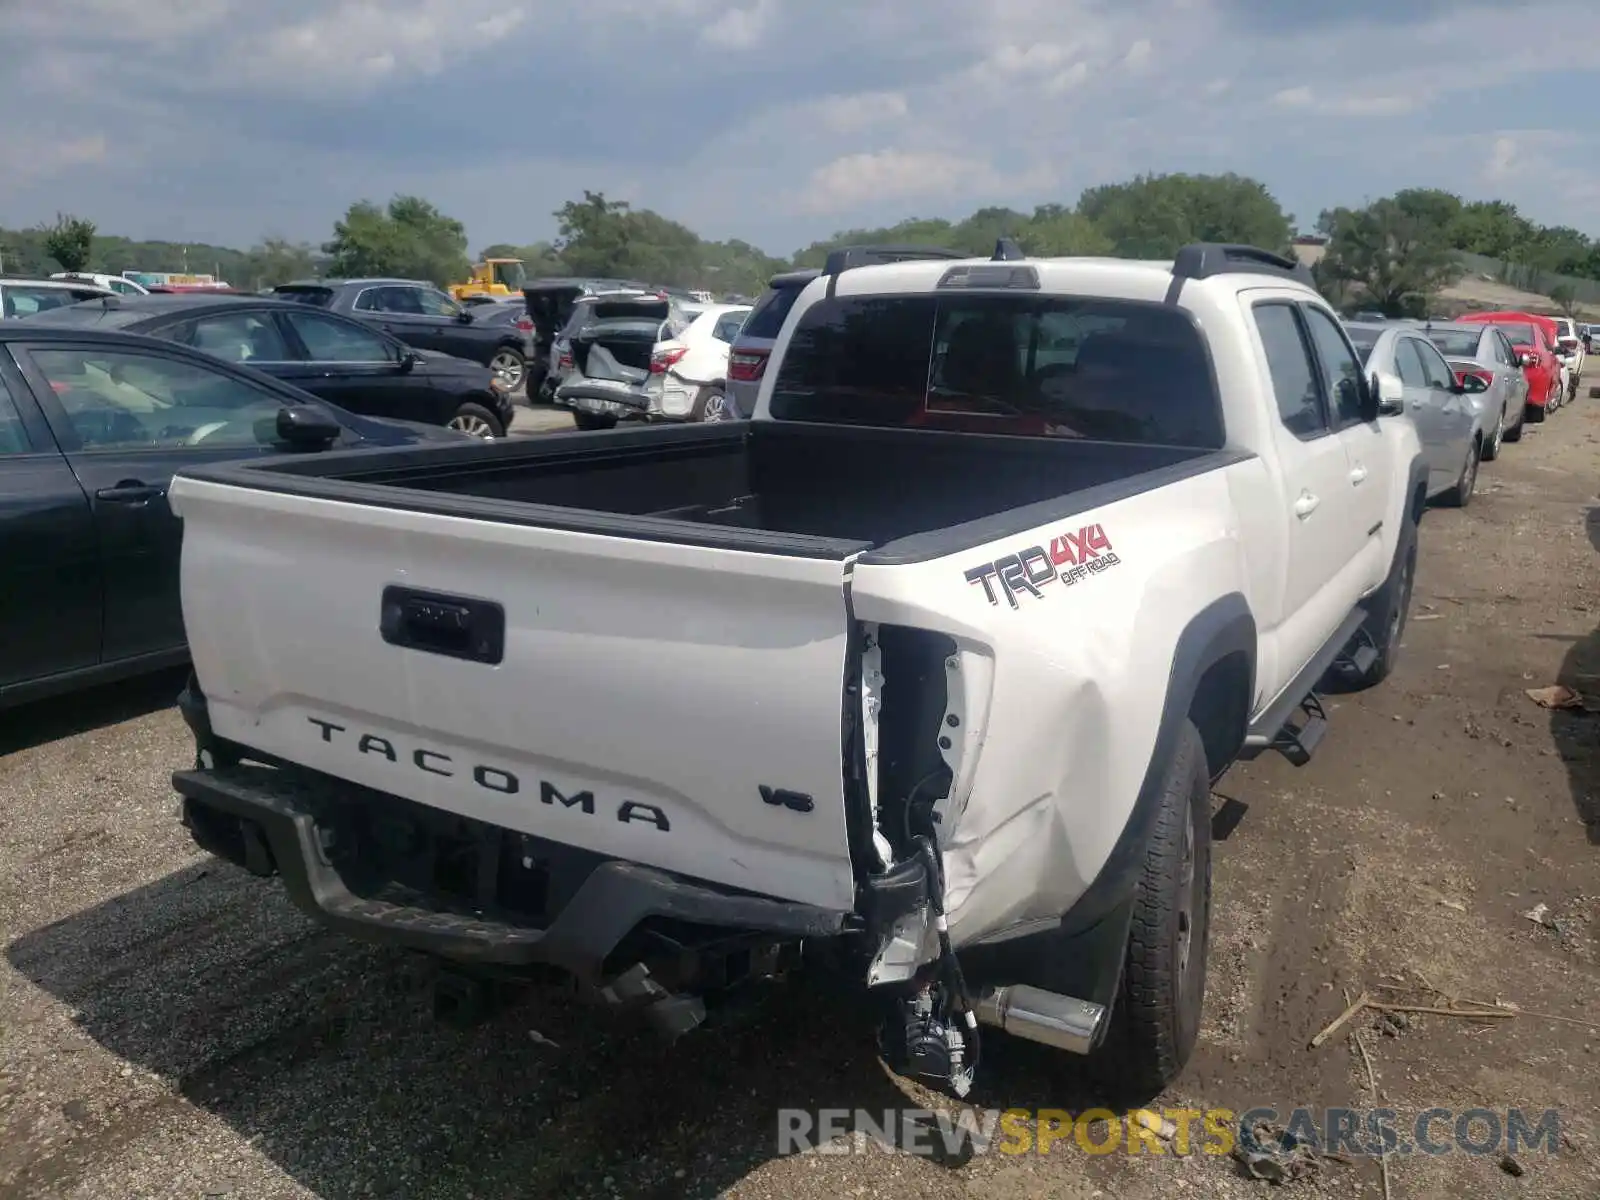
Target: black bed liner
[(792, 488)]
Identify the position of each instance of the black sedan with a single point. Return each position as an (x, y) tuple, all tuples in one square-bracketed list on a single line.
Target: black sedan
[(420, 315), (342, 360), (93, 424)]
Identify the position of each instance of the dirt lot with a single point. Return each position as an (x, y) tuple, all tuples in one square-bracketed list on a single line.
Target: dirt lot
[(171, 1028)]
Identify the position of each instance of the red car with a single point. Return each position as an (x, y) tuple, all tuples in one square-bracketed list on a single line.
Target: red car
[(1533, 338)]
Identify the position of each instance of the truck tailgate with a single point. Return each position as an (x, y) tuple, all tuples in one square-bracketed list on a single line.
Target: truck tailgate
[(668, 704)]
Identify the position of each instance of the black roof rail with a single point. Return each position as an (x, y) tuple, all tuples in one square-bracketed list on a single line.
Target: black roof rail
[(846, 257), (1007, 250), (1205, 259)]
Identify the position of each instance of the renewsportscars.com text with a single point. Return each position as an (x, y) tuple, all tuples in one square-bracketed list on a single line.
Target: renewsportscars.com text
[(1217, 1131)]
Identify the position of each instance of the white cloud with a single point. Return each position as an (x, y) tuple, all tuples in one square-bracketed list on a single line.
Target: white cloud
[(768, 119)]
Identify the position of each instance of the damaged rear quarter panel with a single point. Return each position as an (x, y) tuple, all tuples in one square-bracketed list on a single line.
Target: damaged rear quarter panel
[(1077, 680)]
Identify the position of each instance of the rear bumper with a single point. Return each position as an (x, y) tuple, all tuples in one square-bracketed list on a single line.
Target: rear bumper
[(601, 400), (291, 823)]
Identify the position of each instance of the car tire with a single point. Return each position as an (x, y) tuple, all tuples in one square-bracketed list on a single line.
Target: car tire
[(1491, 448), (1514, 434), (593, 421), (1388, 608), (1467, 482), (1155, 1020), (1533, 415), (510, 367), (478, 421), (711, 404)]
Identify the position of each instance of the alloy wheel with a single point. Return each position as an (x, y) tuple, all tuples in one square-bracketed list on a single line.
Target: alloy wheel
[(508, 368), (476, 426)]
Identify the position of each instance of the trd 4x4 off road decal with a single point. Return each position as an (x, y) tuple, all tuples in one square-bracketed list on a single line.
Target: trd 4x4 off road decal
[(1068, 558)]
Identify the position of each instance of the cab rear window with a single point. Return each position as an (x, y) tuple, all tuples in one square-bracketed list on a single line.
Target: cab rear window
[(1030, 366)]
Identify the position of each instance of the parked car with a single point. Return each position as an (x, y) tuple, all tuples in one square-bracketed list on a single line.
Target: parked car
[(112, 283), (1457, 428), (1487, 364), (340, 359), (602, 357), (747, 361), (1533, 338), (421, 316), (93, 423), (25, 295), (968, 691), (549, 303), (1569, 344), (688, 378)]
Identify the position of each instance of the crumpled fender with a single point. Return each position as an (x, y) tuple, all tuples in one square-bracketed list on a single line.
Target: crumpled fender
[(1080, 684)]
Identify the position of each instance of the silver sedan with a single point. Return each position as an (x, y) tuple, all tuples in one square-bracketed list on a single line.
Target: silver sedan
[(1483, 358), (1454, 423)]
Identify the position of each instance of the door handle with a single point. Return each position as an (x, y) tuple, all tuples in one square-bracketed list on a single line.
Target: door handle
[(131, 491), (1306, 505), (1358, 474)]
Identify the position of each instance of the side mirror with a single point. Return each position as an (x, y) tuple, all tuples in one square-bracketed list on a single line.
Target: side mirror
[(408, 361), (1526, 360), (306, 427), (464, 317), (1390, 393)]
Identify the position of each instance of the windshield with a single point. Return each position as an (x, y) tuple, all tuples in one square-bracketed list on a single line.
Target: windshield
[(1363, 340), (1456, 343), (24, 300), (511, 275), (1006, 364)]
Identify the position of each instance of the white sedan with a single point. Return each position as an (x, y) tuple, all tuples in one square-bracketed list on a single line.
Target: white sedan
[(689, 374)]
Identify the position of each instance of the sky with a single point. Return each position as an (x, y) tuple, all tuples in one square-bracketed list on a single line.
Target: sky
[(775, 121)]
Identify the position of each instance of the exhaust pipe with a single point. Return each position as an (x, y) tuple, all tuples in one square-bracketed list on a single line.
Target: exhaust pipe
[(1049, 1018)]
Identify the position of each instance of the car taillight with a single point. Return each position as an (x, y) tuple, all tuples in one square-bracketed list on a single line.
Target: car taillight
[(524, 326), (662, 360), (564, 361), (1484, 377), (746, 366)]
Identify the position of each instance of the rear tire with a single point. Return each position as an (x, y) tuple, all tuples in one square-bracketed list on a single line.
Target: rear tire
[(1156, 1017), (592, 421), (1491, 448), (478, 421), (1467, 482), (1514, 434), (711, 404), (1533, 415), (1388, 608)]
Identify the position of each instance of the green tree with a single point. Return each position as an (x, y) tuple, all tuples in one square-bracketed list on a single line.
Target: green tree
[(595, 235), (1153, 216), (70, 241), (277, 260), (1396, 259), (410, 238)]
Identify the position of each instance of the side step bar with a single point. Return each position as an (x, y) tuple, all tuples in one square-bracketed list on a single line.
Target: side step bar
[(1295, 723)]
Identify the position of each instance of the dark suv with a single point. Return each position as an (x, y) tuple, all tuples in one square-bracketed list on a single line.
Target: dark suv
[(747, 361), (422, 316)]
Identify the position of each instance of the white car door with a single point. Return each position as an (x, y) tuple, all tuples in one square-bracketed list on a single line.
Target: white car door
[(1323, 574)]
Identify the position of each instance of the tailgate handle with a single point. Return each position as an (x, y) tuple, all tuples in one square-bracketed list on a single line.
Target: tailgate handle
[(435, 623)]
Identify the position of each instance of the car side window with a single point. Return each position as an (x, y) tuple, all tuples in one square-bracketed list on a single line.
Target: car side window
[(1408, 362), (1439, 374), (328, 339), (370, 300), (1294, 380), (235, 337), (727, 328), (1341, 369), (13, 437), (127, 400)]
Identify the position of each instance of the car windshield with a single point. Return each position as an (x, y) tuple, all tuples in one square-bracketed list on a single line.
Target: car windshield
[(24, 300), (1456, 343), (1363, 340), (1020, 365)]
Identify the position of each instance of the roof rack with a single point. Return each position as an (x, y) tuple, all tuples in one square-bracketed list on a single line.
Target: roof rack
[(1205, 259), (846, 257)]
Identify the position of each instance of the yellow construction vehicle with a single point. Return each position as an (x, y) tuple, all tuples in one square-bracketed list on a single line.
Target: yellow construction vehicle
[(497, 277)]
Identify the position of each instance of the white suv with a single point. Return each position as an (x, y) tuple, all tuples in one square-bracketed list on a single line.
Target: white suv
[(1569, 344)]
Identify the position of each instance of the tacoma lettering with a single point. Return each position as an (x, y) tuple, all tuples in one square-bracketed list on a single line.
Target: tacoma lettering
[(490, 779), (1068, 558)]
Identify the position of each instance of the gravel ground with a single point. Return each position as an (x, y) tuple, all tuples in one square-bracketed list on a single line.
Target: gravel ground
[(170, 1027)]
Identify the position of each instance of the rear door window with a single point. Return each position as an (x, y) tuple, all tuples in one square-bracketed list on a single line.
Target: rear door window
[(1021, 365)]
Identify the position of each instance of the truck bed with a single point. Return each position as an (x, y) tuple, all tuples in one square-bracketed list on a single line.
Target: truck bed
[(814, 490)]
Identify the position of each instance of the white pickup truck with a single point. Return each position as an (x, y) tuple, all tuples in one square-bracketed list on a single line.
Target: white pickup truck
[(932, 662)]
